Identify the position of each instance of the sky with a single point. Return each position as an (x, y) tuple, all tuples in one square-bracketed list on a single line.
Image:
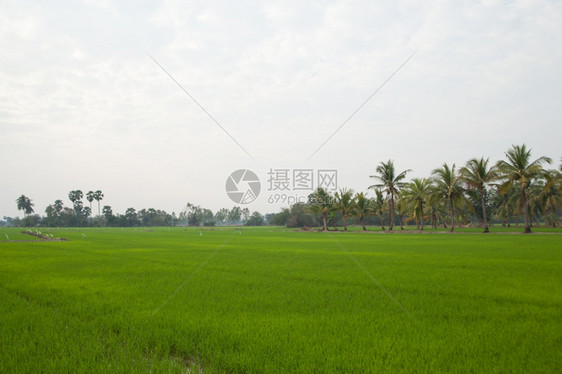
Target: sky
[(156, 103)]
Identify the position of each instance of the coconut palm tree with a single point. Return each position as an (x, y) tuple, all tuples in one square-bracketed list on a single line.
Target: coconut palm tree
[(25, 204), (551, 193), (448, 185), (476, 174), (505, 203), (321, 203), (344, 203), (362, 208), (98, 195), (519, 170), (416, 194), (391, 183)]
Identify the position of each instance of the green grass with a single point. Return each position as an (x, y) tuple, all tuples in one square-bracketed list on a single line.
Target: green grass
[(278, 300)]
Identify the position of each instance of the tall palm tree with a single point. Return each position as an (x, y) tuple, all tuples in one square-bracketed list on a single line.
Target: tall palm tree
[(417, 194), (519, 170), (448, 184), (90, 196), (362, 208), (477, 175), (25, 204), (321, 203), (344, 203), (391, 183), (98, 195)]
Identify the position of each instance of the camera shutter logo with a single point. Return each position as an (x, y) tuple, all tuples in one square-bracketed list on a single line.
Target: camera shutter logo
[(243, 186)]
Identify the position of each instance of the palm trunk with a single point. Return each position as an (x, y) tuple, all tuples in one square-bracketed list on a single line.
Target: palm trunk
[(391, 212), (526, 213), (362, 220), (344, 222), (452, 215), (421, 217), (324, 225), (486, 230), (382, 224)]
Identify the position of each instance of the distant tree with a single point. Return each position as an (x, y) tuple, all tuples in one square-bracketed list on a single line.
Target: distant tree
[(51, 218), (234, 215), (194, 214), (344, 204), (362, 208), (321, 202), (300, 217), (207, 217), (477, 175), (245, 214), (379, 206), (108, 214), (86, 211), (78, 207), (281, 218), (75, 195), (390, 183), (551, 194), (448, 185), (221, 215), (25, 204), (98, 195), (58, 207), (255, 219), (417, 193), (90, 196), (520, 171), (131, 217)]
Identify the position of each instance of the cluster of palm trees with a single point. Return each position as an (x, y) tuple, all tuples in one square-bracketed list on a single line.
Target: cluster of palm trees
[(517, 186)]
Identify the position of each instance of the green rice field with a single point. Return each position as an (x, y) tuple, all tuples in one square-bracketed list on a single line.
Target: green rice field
[(274, 300)]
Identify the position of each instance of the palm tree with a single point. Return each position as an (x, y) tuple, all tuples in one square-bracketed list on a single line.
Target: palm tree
[(551, 194), (520, 171), (75, 195), (87, 211), (447, 183), (344, 203), (391, 184), (417, 194), (98, 195), (361, 208), (90, 196), (505, 203), (25, 204), (58, 206), (379, 206), (321, 202), (477, 175)]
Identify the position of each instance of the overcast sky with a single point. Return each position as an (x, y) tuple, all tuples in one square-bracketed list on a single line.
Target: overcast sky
[(83, 105)]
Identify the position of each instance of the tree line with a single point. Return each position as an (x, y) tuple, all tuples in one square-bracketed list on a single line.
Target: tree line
[(511, 189), (80, 215), (514, 189)]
